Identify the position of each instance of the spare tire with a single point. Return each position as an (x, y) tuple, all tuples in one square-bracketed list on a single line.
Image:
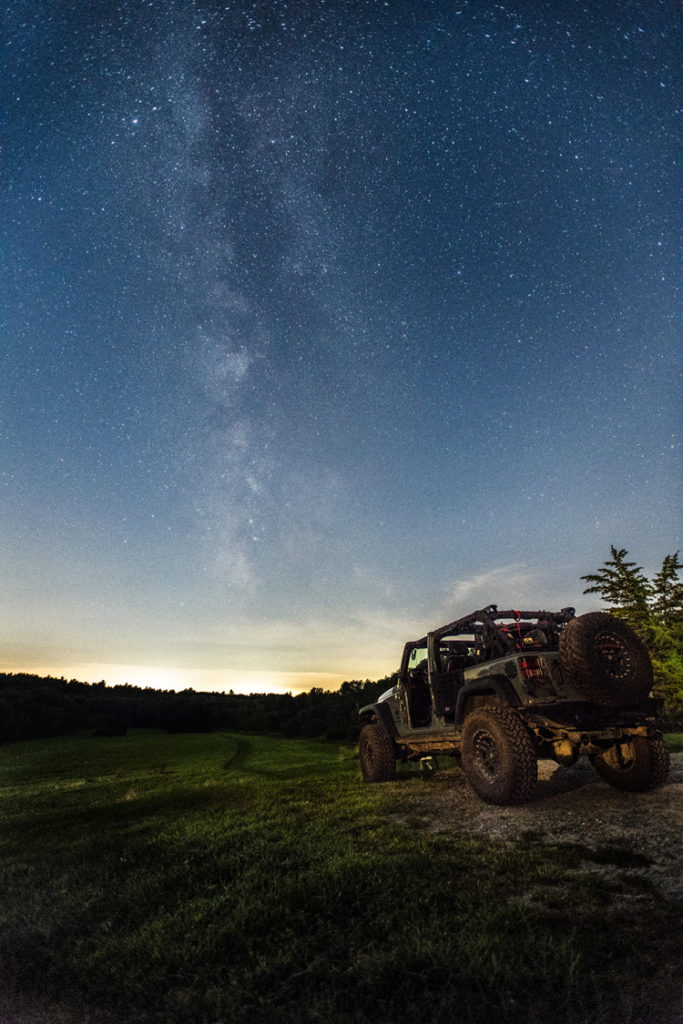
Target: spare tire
[(605, 660)]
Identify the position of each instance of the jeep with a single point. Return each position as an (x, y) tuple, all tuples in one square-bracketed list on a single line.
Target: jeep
[(498, 690)]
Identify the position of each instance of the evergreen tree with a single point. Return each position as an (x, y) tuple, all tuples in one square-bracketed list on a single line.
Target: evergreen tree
[(655, 610), (667, 592), (623, 586)]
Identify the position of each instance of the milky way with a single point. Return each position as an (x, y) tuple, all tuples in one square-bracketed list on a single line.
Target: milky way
[(324, 322)]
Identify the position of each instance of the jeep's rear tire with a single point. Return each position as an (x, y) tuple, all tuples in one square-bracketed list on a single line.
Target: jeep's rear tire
[(498, 756), (377, 754), (605, 659), (640, 764)]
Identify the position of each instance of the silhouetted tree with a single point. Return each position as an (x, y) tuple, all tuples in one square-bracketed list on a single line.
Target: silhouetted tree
[(622, 585), (667, 591)]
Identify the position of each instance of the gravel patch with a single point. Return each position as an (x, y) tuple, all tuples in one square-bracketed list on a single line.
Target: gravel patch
[(570, 806)]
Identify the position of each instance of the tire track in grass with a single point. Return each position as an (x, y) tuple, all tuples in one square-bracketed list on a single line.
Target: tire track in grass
[(241, 753)]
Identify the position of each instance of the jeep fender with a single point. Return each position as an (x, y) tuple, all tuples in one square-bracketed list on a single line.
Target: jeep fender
[(496, 686), (381, 714)]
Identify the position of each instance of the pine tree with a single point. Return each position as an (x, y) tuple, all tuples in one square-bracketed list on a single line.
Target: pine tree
[(655, 610), (667, 591), (623, 586)]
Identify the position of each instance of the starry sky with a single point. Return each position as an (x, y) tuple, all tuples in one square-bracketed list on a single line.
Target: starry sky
[(324, 323)]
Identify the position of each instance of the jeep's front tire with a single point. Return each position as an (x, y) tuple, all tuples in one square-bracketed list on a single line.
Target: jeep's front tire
[(377, 754), (498, 756), (640, 764), (605, 659)]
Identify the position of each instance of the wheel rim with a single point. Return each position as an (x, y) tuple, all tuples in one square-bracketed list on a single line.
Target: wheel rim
[(621, 758), (485, 757), (613, 655)]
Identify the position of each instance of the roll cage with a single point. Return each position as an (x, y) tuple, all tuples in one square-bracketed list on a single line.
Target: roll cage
[(488, 634)]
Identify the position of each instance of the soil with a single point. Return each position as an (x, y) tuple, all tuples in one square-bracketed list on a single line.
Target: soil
[(569, 806)]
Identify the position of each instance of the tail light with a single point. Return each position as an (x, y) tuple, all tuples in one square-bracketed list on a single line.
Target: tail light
[(531, 668), (537, 678)]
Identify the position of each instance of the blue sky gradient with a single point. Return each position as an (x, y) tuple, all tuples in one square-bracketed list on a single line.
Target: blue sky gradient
[(324, 323)]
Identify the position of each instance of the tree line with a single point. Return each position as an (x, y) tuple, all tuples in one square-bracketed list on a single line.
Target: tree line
[(33, 706)]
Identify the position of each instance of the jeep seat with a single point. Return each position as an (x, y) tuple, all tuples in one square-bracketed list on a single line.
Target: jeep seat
[(446, 685)]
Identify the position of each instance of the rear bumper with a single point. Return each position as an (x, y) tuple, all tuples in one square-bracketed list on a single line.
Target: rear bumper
[(586, 717)]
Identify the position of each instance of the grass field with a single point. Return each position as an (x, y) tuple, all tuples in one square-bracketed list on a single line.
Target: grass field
[(198, 879)]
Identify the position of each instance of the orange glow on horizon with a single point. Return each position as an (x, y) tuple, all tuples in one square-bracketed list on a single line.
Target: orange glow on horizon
[(204, 680)]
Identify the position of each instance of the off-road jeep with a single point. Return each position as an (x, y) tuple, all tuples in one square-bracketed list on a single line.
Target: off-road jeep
[(499, 690)]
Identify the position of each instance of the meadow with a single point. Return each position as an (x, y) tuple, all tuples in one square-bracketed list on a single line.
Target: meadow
[(225, 879)]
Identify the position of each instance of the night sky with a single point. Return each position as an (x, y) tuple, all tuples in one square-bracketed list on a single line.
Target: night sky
[(324, 323)]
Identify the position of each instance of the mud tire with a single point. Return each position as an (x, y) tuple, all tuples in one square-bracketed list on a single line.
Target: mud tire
[(498, 756), (649, 769), (605, 659), (377, 754)]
